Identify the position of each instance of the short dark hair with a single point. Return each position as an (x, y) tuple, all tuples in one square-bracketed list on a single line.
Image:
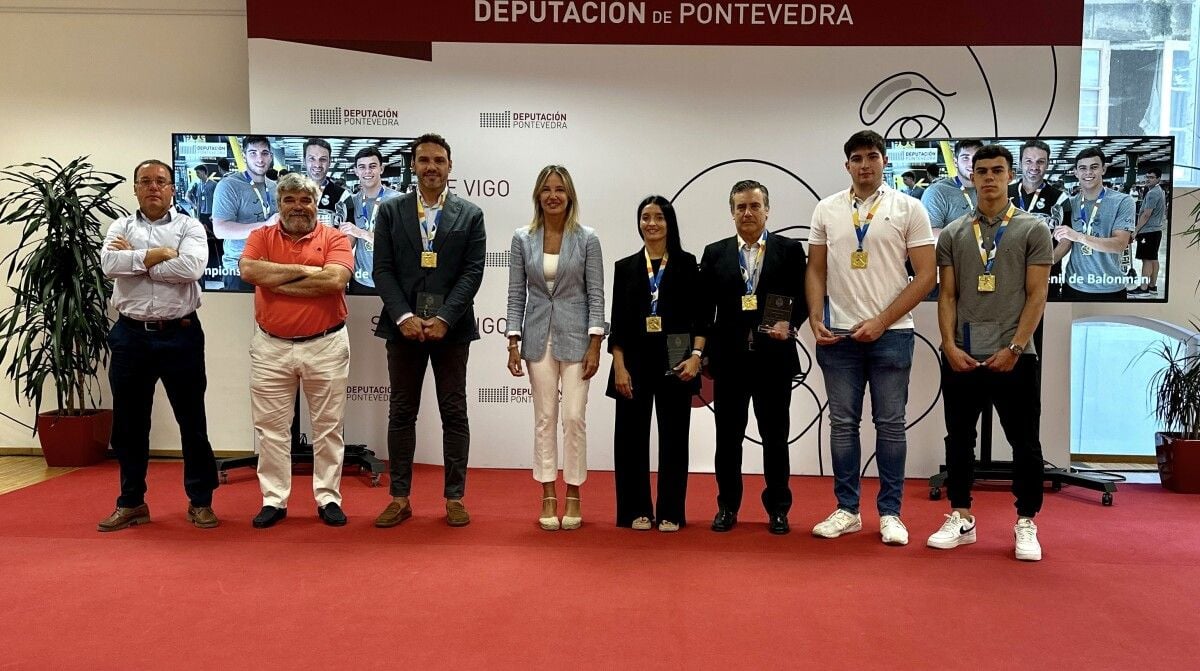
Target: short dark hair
[(431, 138), (674, 246), (744, 186), (933, 170), (317, 142), (909, 174), (255, 139), (1034, 144), (223, 164), (1157, 172), (967, 144), (152, 161), (993, 151), (201, 168), (864, 138), (1091, 152), (368, 151)]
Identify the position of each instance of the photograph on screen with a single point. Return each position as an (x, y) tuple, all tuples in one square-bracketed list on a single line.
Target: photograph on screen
[(1100, 189), (228, 183)]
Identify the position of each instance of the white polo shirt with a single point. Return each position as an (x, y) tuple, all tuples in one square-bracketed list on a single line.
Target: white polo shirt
[(900, 224)]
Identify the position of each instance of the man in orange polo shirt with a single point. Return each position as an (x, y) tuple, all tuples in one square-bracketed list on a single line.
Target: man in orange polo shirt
[(300, 271)]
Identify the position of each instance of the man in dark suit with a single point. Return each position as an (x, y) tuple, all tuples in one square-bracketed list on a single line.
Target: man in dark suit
[(429, 252), (743, 276)]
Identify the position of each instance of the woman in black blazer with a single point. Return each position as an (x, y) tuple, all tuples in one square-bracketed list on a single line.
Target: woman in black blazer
[(641, 375)]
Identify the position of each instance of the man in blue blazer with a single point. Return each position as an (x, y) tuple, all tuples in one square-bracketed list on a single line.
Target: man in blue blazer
[(741, 277), (429, 254)]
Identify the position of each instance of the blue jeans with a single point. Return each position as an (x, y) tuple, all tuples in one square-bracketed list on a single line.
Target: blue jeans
[(848, 367)]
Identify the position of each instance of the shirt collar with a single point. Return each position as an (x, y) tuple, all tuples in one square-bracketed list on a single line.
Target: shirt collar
[(883, 188), (166, 218), (978, 215)]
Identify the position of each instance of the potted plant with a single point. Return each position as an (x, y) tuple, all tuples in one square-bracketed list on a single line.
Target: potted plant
[(56, 329), (1176, 393)]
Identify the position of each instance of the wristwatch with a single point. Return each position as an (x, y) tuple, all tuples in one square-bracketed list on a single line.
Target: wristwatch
[(1015, 348), (699, 353)]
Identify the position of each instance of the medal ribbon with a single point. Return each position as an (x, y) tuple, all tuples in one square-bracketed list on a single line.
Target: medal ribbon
[(369, 218), (749, 279), (429, 232), (1091, 219), (655, 280), (264, 197), (860, 230), (989, 257), (1032, 199), (963, 188)]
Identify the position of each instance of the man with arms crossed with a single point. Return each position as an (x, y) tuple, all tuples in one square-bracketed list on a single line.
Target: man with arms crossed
[(1038, 198), (739, 276), (331, 204), (363, 209), (860, 302), (950, 198), (1149, 233), (428, 266), (1100, 229), (994, 265), (156, 255), (243, 202), (300, 270)]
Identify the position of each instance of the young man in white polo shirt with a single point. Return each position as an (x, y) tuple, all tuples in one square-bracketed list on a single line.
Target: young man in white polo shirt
[(860, 300)]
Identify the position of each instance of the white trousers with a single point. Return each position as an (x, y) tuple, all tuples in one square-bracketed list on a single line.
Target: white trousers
[(545, 378), (277, 369)]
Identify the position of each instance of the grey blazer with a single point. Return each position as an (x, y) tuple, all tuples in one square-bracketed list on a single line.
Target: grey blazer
[(576, 304)]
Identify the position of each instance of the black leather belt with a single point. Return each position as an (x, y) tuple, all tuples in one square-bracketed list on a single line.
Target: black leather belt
[(159, 324), (332, 329)]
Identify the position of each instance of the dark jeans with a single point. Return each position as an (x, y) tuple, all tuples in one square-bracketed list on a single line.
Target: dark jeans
[(772, 394), (631, 451), (1017, 397), (407, 361), (140, 359)]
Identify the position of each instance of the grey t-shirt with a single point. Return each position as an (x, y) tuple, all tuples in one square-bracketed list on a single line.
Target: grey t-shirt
[(236, 199), (1099, 272), (1155, 200), (987, 321), (947, 200)]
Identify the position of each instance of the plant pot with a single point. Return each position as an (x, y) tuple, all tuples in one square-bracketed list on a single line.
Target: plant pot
[(1178, 462), (74, 440)]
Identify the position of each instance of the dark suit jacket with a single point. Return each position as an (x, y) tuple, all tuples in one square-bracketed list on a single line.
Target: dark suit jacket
[(728, 326), (678, 305), (461, 245)]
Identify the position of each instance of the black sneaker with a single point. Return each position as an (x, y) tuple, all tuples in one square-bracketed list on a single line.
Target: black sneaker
[(1137, 291), (331, 514), (268, 516), (1152, 290)]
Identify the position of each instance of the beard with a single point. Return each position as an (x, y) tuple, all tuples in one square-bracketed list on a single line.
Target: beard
[(298, 224)]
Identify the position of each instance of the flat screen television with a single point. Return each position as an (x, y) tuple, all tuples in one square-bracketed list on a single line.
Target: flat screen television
[(1137, 177), (225, 181)]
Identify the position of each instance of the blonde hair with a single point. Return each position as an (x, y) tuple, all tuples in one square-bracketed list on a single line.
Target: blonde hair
[(539, 217)]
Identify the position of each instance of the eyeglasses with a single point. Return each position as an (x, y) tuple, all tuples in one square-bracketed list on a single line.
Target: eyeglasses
[(147, 183)]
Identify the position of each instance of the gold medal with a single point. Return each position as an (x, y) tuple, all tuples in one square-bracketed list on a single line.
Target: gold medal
[(987, 283), (653, 324), (750, 302), (1086, 251), (858, 259), (429, 259)]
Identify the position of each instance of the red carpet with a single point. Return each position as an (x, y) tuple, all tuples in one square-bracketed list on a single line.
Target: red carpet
[(1117, 588)]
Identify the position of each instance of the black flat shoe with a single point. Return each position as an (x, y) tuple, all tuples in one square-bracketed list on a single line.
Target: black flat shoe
[(778, 524), (268, 517), (331, 514), (724, 521)]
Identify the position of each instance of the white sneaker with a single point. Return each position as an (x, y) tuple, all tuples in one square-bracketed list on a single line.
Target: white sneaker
[(892, 530), (642, 524), (840, 522), (1028, 548), (955, 531)]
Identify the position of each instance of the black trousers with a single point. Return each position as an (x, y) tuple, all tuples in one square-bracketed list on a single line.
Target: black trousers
[(772, 393), (1017, 397), (407, 361), (631, 450), (140, 359)]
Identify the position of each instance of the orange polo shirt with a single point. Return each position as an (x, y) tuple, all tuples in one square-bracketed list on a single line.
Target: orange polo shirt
[(296, 316)]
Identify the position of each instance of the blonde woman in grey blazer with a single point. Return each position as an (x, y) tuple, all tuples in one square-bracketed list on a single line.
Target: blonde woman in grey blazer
[(556, 323)]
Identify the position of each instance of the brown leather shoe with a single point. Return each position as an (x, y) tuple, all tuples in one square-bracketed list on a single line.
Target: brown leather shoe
[(203, 517), (456, 514), (393, 514), (124, 517)]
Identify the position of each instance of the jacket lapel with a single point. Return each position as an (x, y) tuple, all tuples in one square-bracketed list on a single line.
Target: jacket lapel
[(537, 268), (566, 256), (450, 212), (408, 221)]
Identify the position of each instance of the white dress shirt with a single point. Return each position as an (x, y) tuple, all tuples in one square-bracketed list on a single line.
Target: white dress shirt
[(166, 290)]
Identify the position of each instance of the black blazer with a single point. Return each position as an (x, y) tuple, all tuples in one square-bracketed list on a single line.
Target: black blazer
[(728, 327), (461, 245), (646, 353)]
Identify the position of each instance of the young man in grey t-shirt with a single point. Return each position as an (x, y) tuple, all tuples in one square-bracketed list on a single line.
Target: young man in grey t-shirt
[(1149, 232), (994, 265)]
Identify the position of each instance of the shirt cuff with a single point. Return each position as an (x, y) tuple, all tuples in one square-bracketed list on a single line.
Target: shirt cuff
[(596, 330), (512, 333), (138, 261), (403, 318)]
